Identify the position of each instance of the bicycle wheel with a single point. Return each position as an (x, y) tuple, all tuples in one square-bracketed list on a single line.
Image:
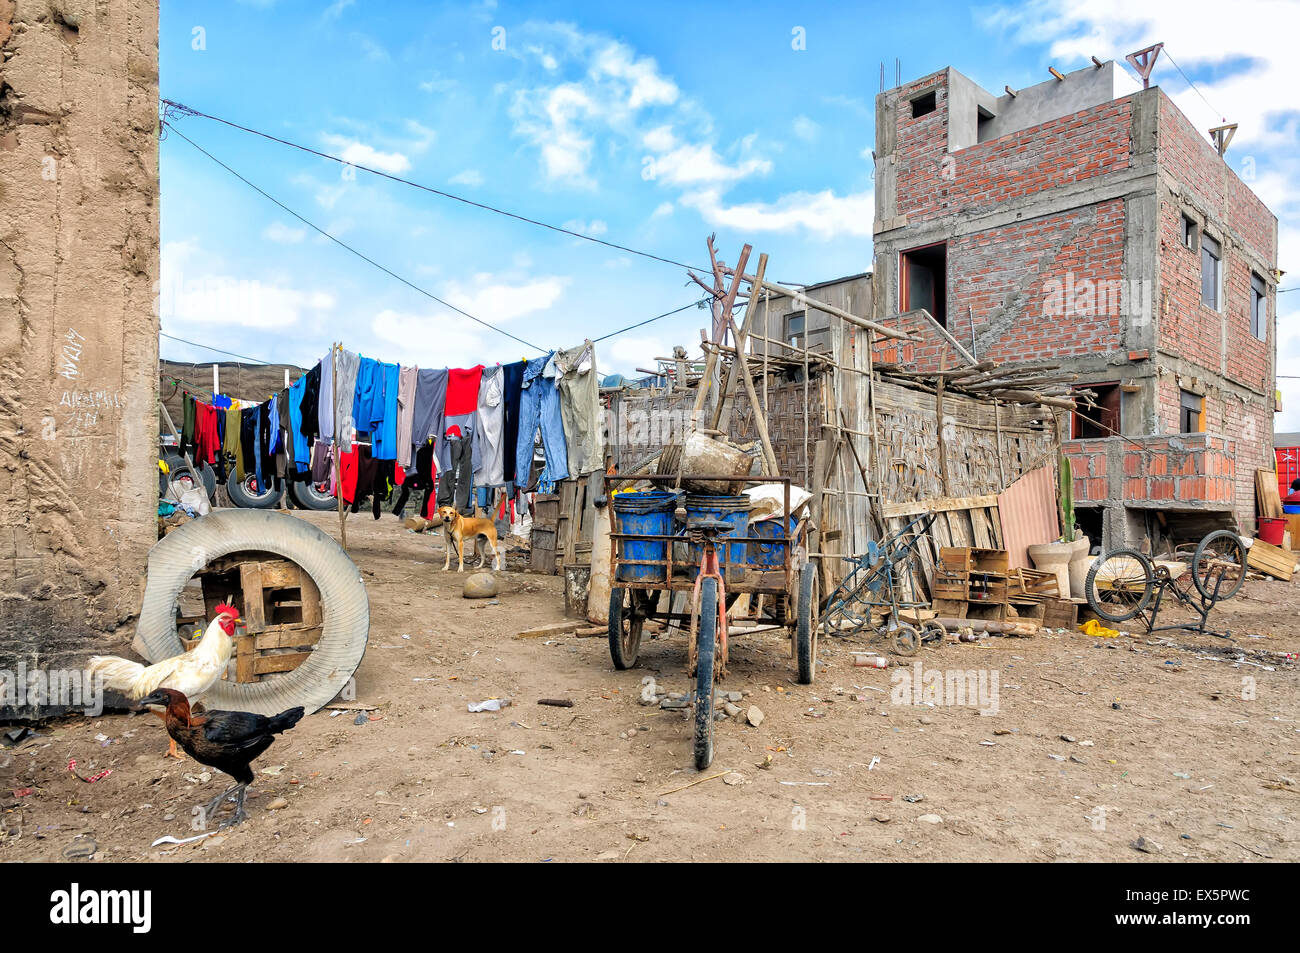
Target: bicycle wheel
[(1219, 566), (626, 620), (707, 636), (1120, 584)]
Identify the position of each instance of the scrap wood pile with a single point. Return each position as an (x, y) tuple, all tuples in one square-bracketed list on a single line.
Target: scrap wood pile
[(1036, 383)]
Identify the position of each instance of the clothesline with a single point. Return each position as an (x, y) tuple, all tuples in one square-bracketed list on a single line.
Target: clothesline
[(481, 422)]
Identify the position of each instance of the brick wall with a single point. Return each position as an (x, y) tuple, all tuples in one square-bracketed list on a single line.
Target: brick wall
[(1185, 471), (931, 183)]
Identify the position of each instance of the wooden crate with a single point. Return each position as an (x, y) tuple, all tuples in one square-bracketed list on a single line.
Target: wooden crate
[(1273, 560), (279, 605), (1060, 614), (950, 585), (988, 588)]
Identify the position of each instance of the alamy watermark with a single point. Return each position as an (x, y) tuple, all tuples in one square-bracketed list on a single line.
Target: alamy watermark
[(59, 689), (951, 688)]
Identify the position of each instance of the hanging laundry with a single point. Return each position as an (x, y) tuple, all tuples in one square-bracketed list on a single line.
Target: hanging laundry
[(580, 409), (310, 403), (430, 405), (300, 455), (187, 426), (324, 403), (512, 379), (539, 409), (247, 442), (489, 469), (341, 423), (456, 478), (206, 441), (284, 438), (230, 441), (322, 462), (462, 390), (368, 395), (383, 429), (407, 379)]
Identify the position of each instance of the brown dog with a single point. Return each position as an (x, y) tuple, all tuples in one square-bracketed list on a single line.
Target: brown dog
[(459, 527)]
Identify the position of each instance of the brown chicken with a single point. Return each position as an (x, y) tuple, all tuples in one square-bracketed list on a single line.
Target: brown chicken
[(225, 740)]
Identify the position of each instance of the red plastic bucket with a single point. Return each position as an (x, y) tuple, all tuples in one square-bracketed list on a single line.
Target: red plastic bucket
[(1271, 529)]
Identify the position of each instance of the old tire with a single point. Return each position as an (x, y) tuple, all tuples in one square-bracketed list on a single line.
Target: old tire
[(306, 496), (246, 495), (805, 630), (625, 624), (707, 636), (344, 604), (179, 473)]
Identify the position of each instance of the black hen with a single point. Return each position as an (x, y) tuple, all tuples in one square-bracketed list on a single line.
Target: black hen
[(225, 740)]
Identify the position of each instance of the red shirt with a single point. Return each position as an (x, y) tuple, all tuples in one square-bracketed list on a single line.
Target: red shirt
[(462, 390)]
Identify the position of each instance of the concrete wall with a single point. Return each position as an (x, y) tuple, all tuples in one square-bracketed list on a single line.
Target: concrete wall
[(79, 371)]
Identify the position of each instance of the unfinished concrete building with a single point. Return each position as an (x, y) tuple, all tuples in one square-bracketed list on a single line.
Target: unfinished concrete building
[(1067, 224), (79, 370)]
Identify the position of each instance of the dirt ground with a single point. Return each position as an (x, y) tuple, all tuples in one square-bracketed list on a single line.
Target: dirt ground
[(1096, 743)]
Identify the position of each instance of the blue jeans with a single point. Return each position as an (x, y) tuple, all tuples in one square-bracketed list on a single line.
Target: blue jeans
[(539, 406)]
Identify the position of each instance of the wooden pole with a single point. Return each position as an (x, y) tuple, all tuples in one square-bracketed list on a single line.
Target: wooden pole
[(702, 389), (760, 421), (740, 338), (338, 466)]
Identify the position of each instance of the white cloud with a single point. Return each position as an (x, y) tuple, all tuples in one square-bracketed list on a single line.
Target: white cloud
[(659, 139), (359, 153), (284, 234), (805, 128), (208, 299), (823, 214), (470, 177), (495, 300), (643, 84), (437, 339), (662, 209), (595, 228), (694, 165)]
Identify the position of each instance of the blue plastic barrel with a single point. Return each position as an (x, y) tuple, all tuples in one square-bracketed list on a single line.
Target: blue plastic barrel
[(728, 509), (768, 556), (648, 513)]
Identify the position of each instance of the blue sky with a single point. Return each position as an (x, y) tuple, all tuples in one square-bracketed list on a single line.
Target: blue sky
[(649, 125)]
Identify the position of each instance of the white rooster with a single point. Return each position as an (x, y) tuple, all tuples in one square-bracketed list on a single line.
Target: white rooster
[(191, 673)]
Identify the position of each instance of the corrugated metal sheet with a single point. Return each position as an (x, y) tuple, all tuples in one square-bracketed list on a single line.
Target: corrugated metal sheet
[(1028, 511)]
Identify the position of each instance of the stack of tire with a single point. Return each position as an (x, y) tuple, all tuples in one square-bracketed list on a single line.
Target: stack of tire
[(247, 493)]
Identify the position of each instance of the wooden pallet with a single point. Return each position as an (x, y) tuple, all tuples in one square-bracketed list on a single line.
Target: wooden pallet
[(280, 607)]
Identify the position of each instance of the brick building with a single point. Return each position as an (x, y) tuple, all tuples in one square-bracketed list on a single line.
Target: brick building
[(1067, 224)]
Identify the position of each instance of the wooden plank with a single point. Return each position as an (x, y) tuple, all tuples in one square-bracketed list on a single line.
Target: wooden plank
[(286, 637), (271, 664), (1267, 498), (245, 654), (250, 575), (938, 505), (280, 574), (312, 613), (1273, 560), (551, 629)]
